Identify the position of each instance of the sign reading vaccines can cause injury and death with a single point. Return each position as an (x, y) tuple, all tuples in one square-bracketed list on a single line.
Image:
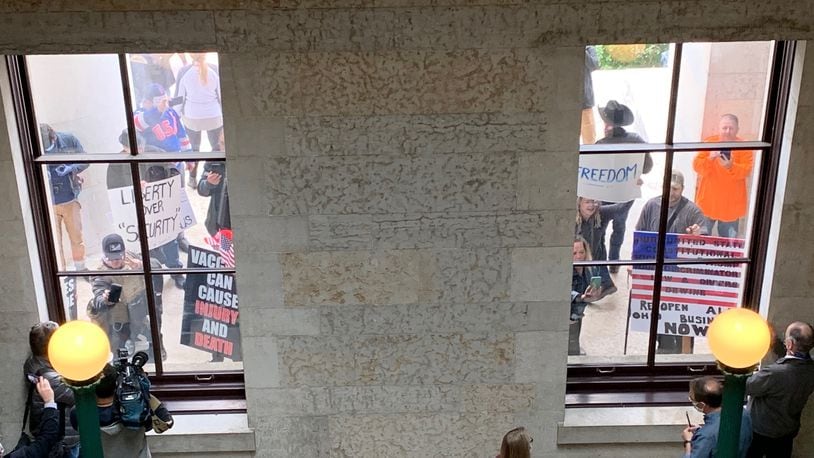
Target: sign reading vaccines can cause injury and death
[(610, 177), (211, 313), (167, 212), (691, 294)]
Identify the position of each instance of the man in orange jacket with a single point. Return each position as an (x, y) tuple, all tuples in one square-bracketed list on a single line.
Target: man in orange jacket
[(721, 191)]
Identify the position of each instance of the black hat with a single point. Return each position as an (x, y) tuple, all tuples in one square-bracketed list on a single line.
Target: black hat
[(616, 114), (113, 246)]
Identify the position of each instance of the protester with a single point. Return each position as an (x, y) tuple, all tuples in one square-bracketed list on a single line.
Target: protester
[(588, 131), (778, 393), (38, 365), (616, 116), (582, 293), (48, 435), (199, 87), (721, 191), (591, 223), (213, 185), (701, 441), (66, 183), (127, 318), (683, 217), (516, 444)]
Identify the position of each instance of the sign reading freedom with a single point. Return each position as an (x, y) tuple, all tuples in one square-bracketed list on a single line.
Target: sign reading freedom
[(210, 321), (610, 177), (692, 294)]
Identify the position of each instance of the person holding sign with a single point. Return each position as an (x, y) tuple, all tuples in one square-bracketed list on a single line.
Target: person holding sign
[(585, 289), (721, 191), (683, 217), (119, 304), (616, 116)]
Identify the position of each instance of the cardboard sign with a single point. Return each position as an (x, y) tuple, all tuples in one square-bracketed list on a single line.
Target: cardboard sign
[(691, 294), (167, 212), (610, 177), (211, 313)]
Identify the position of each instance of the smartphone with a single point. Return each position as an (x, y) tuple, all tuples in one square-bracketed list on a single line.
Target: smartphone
[(726, 154), (596, 282), (115, 293), (689, 423)]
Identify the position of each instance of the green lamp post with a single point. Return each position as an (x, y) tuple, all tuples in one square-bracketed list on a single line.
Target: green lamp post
[(79, 350), (738, 338)]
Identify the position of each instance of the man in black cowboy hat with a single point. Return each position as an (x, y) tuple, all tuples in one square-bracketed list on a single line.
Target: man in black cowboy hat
[(616, 116)]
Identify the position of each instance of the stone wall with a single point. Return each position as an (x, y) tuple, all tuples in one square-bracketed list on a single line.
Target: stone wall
[(401, 174)]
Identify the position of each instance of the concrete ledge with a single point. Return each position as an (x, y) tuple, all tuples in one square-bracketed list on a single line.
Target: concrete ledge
[(624, 425), (204, 434)]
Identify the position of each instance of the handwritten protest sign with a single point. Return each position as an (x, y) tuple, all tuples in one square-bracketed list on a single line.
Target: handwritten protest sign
[(69, 296), (210, 321), (610, 177), (691, 294), (166, 212)]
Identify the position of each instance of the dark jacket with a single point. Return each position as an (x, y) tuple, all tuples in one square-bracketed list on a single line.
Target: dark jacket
[(43, 442), (593, 230), (38, 366), (65, 188), (217, 215), (779, 393), (591, 64), (580, 283)]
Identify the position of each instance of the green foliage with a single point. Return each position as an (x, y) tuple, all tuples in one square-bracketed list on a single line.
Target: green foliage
[(650, 57)]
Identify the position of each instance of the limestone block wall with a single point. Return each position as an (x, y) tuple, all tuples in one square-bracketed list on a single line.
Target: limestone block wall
[(401, 176)]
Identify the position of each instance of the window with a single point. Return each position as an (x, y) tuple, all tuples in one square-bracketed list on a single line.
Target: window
[(152, 263), (678, 161)]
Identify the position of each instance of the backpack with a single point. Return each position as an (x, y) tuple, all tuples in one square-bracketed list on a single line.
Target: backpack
[(133, 396)]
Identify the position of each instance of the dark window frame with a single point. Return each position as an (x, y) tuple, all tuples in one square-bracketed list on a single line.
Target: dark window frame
[(184, 392), (652, 383)]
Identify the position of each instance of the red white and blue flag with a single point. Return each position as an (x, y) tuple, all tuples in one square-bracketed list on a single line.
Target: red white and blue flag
[(222, 243)]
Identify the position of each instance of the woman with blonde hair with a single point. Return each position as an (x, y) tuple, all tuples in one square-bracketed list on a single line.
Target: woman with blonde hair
[(591, 223), (516, 444), (582, 292)]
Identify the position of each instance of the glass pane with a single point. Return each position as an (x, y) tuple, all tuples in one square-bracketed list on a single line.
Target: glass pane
[(92, 212), (177, 101), (196, 214), (78, 101), (599, 316), (616, 191), (722, 91), (691, 296), (627, 89), (201, 323)]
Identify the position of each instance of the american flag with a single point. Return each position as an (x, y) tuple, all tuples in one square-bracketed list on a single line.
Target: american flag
[(222, 243)]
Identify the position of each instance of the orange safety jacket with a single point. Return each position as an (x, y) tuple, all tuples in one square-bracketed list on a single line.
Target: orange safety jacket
[(721, 192)]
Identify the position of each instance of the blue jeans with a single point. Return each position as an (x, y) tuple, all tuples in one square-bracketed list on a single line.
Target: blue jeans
[(727, 229)]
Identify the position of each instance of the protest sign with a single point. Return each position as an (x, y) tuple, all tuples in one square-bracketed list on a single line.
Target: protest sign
[(610, 177), (691, 294), (69, 291), (210, 321), (167, 212)]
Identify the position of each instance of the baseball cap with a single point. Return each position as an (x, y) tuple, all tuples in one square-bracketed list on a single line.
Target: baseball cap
[(155, 90), (677, 178), (113, 246)]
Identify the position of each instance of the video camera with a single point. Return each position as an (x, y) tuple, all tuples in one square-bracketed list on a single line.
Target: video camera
[(133, 390), (138, 360)]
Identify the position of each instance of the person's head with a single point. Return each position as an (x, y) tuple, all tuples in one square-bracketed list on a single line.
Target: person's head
[(516, 444), (48, 136), (582, 249), (587, 207), (728, 127), (124, 140), (676, 187), (113, 249), (614, 114), (156, 96), (106, 388), (39, 336), (799, 337), (706, 393)]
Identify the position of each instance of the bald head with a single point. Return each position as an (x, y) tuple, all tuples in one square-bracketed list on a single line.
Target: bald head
[(802, 336), (708, 390)]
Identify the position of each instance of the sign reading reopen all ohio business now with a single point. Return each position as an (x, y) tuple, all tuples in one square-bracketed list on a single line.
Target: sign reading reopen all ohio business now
[(691, 294), (610, 177)]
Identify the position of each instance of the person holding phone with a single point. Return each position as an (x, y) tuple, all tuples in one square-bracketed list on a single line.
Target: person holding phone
[(701, 441), (721, 190), (119, 304), (48, 435), (585, 288)]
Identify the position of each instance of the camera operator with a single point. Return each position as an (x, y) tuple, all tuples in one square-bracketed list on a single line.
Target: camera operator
[(125, 317)]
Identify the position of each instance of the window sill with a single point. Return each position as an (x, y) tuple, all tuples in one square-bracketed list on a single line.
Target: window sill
[(210, 433), (624, 425)]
